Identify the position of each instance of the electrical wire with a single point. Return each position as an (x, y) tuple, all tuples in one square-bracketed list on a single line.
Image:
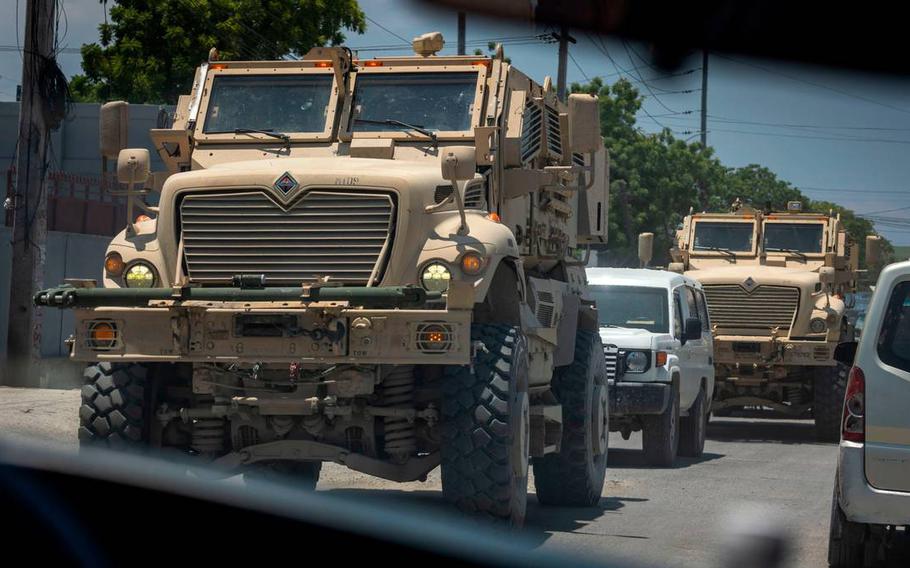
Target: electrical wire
[(372, 21)]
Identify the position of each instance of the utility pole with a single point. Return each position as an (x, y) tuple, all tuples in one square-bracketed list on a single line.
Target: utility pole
[(704, 99), (461, 18), (564, 39), (30, 200)]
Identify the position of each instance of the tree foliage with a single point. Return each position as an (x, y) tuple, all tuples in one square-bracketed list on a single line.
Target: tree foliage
[(656, 179), (149, 50)]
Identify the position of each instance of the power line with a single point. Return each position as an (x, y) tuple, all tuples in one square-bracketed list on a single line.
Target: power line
[(372, 21), (730, 120), (855, 190), (583, 74), (814, 84)]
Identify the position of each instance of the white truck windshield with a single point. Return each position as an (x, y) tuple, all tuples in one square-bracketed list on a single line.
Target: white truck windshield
[(637, 307), (435, 101), (279, 103)]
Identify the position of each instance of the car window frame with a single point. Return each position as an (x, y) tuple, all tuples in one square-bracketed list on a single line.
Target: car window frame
[(885, 353)]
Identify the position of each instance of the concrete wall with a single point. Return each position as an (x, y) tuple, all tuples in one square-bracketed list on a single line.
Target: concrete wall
[(74, 146), (69, 255)]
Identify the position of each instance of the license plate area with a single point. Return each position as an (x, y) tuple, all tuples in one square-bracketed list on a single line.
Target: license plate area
[(266, 325), (746, 347)]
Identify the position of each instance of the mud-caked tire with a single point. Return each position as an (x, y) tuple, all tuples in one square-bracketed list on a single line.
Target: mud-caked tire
[(846, 540), (692, 428), (115, 406), (660, 432), (485, 427), (575, 475), (301, 475), (828, 391)]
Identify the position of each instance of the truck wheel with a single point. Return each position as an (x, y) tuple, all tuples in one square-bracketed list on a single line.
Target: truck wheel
[(828, 389), (660, 434), (304, 475), (575, 476), (846, 540), (114, 412), (692, 427), (486, 425)]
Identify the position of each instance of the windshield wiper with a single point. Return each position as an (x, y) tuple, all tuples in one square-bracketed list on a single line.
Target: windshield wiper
[(392, 122), (279, 135), (801, 255), (719, 249)]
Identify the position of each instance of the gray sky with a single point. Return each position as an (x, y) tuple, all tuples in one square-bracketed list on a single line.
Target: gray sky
[(837, 135)]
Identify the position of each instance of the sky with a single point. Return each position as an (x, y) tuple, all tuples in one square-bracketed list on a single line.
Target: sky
[(838, 135)]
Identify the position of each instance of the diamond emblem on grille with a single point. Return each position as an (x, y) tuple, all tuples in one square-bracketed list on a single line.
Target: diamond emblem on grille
[(749, 284), (286, 183)]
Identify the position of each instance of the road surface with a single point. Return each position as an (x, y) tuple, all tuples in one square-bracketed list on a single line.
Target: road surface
[(668, 517)]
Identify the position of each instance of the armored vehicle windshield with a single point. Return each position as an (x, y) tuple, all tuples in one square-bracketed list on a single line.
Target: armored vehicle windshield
[(801, 237), (280, 103), (441, 102), (729, 236)]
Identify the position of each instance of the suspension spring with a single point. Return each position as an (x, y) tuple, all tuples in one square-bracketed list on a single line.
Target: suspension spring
[(208, 435), (398, 391)]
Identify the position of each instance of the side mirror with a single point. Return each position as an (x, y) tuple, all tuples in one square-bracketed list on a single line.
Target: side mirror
[(584, 123), (873, 250), (827, 275), (692, 329), (458, 163), (645, 248), (133, 166), (113, 126), (846, 353)]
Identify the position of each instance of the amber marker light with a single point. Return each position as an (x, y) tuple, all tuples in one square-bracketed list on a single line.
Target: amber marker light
[(113, 264), (471, 263), (323, 64), (143, 218), (103, 335), (494, 217), (660, 359), (373, 63)]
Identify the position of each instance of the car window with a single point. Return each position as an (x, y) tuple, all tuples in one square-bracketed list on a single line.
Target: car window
[(677, 315), (702, 310), (639, 307), (894, 339), (691, 305)]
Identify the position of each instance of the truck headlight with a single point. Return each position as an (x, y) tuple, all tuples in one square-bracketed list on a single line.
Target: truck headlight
[(818, 325), (139, 275), (638, 361), (435, 277)]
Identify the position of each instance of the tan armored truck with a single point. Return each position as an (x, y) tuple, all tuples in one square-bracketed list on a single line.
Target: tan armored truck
[(776, 286), (377, 263)]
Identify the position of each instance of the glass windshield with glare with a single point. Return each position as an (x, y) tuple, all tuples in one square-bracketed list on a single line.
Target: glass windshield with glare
[(440, 102), (728, 236), (278, 103), (637, 307), (802, 237)]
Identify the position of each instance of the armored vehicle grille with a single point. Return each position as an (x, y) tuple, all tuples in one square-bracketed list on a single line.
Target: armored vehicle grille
[(531, 131), (554, 136), (340, 235), (730, 306)]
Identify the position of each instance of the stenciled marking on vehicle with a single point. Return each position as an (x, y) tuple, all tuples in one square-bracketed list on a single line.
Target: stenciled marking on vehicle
[(347, 181)]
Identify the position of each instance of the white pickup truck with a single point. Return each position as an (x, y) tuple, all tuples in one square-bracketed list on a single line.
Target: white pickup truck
[(659, 322)]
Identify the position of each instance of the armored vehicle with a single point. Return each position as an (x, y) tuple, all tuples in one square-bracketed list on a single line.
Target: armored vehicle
[(377, 263), (776, 285)]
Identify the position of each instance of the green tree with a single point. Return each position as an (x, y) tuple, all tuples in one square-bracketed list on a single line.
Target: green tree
[(149, 50)]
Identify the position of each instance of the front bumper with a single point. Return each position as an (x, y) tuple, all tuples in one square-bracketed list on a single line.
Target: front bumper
[(861, 502), (249, 332), (631, 398), (765, 351)]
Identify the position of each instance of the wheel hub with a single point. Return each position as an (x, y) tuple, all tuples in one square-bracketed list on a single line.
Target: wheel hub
[(521, 444), (600, 417)]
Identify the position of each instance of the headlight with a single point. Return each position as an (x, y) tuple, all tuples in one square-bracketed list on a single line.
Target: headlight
[(139, 275), (818, 325), (435, 277), (638, 361)]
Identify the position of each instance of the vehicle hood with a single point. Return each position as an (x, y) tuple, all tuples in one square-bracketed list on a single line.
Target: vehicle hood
[(760, 275), (629, 338)]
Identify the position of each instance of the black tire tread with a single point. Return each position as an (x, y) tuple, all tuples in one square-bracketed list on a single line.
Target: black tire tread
[(690, 443), (828, 389), (655, 434), (563, 478), (113, 413), (846, 540), (475, 431)]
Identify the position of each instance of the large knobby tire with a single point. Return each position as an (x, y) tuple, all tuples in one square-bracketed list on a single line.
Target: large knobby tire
[(660, 432), (575, 476), (301, 475), (485, 427), (828, 389), (692, 428), (114, 411), (846, 540)]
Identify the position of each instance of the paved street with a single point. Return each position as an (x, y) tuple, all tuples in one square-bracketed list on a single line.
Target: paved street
[(669, 517)]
